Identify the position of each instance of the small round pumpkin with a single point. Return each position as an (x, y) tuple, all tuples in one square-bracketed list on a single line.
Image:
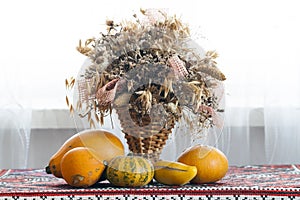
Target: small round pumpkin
[(211, 163), (129, 171)]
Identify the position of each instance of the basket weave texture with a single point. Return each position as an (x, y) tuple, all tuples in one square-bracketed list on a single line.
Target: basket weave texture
[(146, 139)]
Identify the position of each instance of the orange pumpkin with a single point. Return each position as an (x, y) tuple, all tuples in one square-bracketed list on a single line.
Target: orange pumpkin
[(211, 163), (105, 143), (81, 167)]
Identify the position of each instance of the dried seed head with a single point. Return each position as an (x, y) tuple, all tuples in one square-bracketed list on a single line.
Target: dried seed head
[(213, 72), (109, 22), (85, 50)]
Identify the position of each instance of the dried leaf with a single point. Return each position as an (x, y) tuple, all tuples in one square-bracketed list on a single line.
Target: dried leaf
[(67, 100), (97, 118), (72, 82), (101, 120), (71, 109), (67, 83), (92, 124), (89, 116), (143, 11)]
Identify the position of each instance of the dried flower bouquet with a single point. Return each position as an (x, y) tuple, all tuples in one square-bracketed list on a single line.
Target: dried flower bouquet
[(148, 71)]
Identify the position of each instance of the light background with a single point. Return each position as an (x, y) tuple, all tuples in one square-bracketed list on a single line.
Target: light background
[(256, 40)]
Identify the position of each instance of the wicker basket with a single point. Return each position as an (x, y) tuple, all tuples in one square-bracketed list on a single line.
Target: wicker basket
[(146, 139)]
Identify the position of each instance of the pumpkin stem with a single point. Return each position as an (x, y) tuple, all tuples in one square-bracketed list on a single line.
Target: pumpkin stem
[(130, 154), (47, 169)]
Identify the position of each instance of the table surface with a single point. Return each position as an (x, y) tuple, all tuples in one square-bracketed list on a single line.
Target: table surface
[(241, 182)]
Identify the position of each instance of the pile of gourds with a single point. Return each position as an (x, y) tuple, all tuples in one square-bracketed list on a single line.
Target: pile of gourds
[(91, 156)]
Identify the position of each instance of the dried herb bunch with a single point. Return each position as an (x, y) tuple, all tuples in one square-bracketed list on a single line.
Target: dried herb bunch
[(148, 67)]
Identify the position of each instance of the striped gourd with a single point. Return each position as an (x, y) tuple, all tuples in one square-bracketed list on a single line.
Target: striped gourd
[(129, 171)]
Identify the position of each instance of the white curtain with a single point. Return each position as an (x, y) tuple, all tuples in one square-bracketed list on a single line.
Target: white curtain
[(258, 43), (270, 133), (263, 86), (282, 113), (15, 120)]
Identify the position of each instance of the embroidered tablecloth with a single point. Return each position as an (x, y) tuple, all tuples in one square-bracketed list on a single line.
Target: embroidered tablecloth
[(244, 182)]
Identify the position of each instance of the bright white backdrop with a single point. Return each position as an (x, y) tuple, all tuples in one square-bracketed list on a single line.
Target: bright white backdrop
[(258, 43)]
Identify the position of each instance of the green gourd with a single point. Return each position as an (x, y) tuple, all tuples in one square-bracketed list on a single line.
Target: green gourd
[(129, 171)]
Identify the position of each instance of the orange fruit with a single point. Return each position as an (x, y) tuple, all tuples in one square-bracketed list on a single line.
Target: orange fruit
[(102, 141), (211, 163), (81, 167)]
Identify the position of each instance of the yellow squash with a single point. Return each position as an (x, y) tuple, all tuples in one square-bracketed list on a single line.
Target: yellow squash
[(106, 144), (173, 173)]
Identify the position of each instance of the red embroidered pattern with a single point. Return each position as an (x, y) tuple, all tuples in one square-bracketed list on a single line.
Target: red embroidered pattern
[(248, 182)]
